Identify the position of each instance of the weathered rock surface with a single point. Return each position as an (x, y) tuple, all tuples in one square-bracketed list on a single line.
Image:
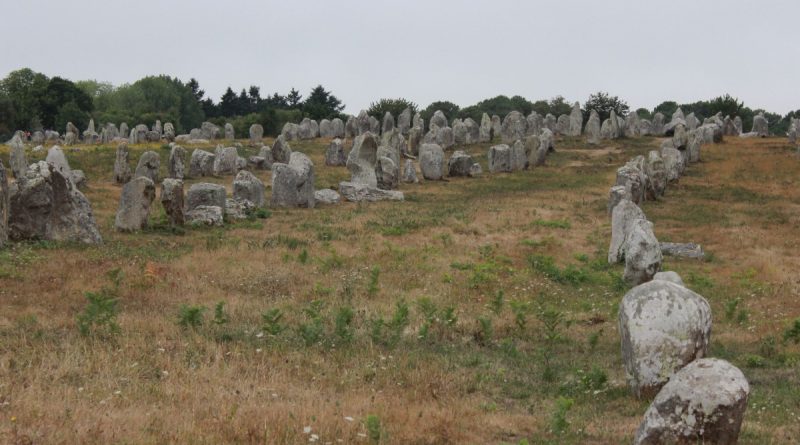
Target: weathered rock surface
[(514, 127), (134, 204), (201, 164), (663, 327), (460, 164), (642, 253), (704, 403), (410, 172), (122, 170), (246, 186), (362, 158), (281, 150), (335, 156), (205, 194), (225, 161), (431, 161), (45, 205), (293, 183), (355, 192), (172, 200), (683, 250), (670, 276), (256, 134), (205, 215), (177, 162), (327, 196), (148, 166), (500, 158)]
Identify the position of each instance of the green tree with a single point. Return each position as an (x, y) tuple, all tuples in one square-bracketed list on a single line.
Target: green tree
[(604, 104), (450, 110), (395, 106), (24, 89), (294, 98), (63, 99), (228, 103), (321, 104)]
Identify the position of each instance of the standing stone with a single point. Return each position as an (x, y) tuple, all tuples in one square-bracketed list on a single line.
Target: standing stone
[(396, 143), (663, 327), (696, 139), (657, 127), (485, 130), (673, 162), (535, 124), (431, 161), (141, 133), (169, 132), (123, 130), (388, 123), (293, 183), (657, 175), (623, 215), (338, 128), (497, 126), (500, 158), (351, 127), (634, 180), (760, 125), (325, 129), (148, 166), (418, 122), (281, 151), (290, 131), (459, 132), (680, 138), (404, 122), (445, 137), (209, 131), (642, 253), (308, 129), (439, 119), (387, 173), (549, 122), (460, 164), (374, 125), (678, 115), (335, 156), (17, 159), (229, 134), (56, 158), (414, 140), (410, 172), (45, 205), (519, 158), (172, 200), (122, 170), (177, 162), (632, 125), (134, 204), (4, 205), (256, 134), (692, 122), (205, 194), (562, 125), (704, 403), (535, 156), (514, 127), (201, 164), (670, 276), (615, 195), (575, 121), (225, 161), (593, 128), (248, 187), (737, 124), (473, 131), (362, 158)]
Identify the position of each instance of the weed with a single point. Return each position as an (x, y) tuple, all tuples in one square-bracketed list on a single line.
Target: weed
[(483, 336), (552, 320), (793, 332), (372, 285), (99, 316), (343, 324), (595, 379), (191, 316), (312, 332), (496, 304), (594, 339), (220, 317), (303, 256), (271, 321), (560, 424), (374, 430), (520, 309), (389, 333)]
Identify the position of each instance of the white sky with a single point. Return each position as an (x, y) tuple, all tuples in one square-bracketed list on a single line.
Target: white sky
[(462, 51)]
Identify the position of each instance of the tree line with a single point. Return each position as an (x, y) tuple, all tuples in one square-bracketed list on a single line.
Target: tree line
[(33, 101)]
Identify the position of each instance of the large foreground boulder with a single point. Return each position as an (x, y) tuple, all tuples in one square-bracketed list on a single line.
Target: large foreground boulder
[(500, 158), (201, 164), (663, 327), (623, 213), (293, 183), (172, 200), (362, 158), (45, 205), (134, 204), (703, 403)]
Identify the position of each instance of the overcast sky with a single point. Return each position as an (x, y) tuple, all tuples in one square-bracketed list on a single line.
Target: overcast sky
[(423, 50)]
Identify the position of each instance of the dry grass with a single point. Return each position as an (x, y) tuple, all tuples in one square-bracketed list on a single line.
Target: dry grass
[(456, 243)]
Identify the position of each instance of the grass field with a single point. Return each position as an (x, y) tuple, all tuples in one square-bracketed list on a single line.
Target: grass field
[(478, 311)]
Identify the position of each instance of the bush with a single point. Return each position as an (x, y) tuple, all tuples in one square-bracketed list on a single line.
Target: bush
[(395, 106), (191, 316), (99, 316)]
